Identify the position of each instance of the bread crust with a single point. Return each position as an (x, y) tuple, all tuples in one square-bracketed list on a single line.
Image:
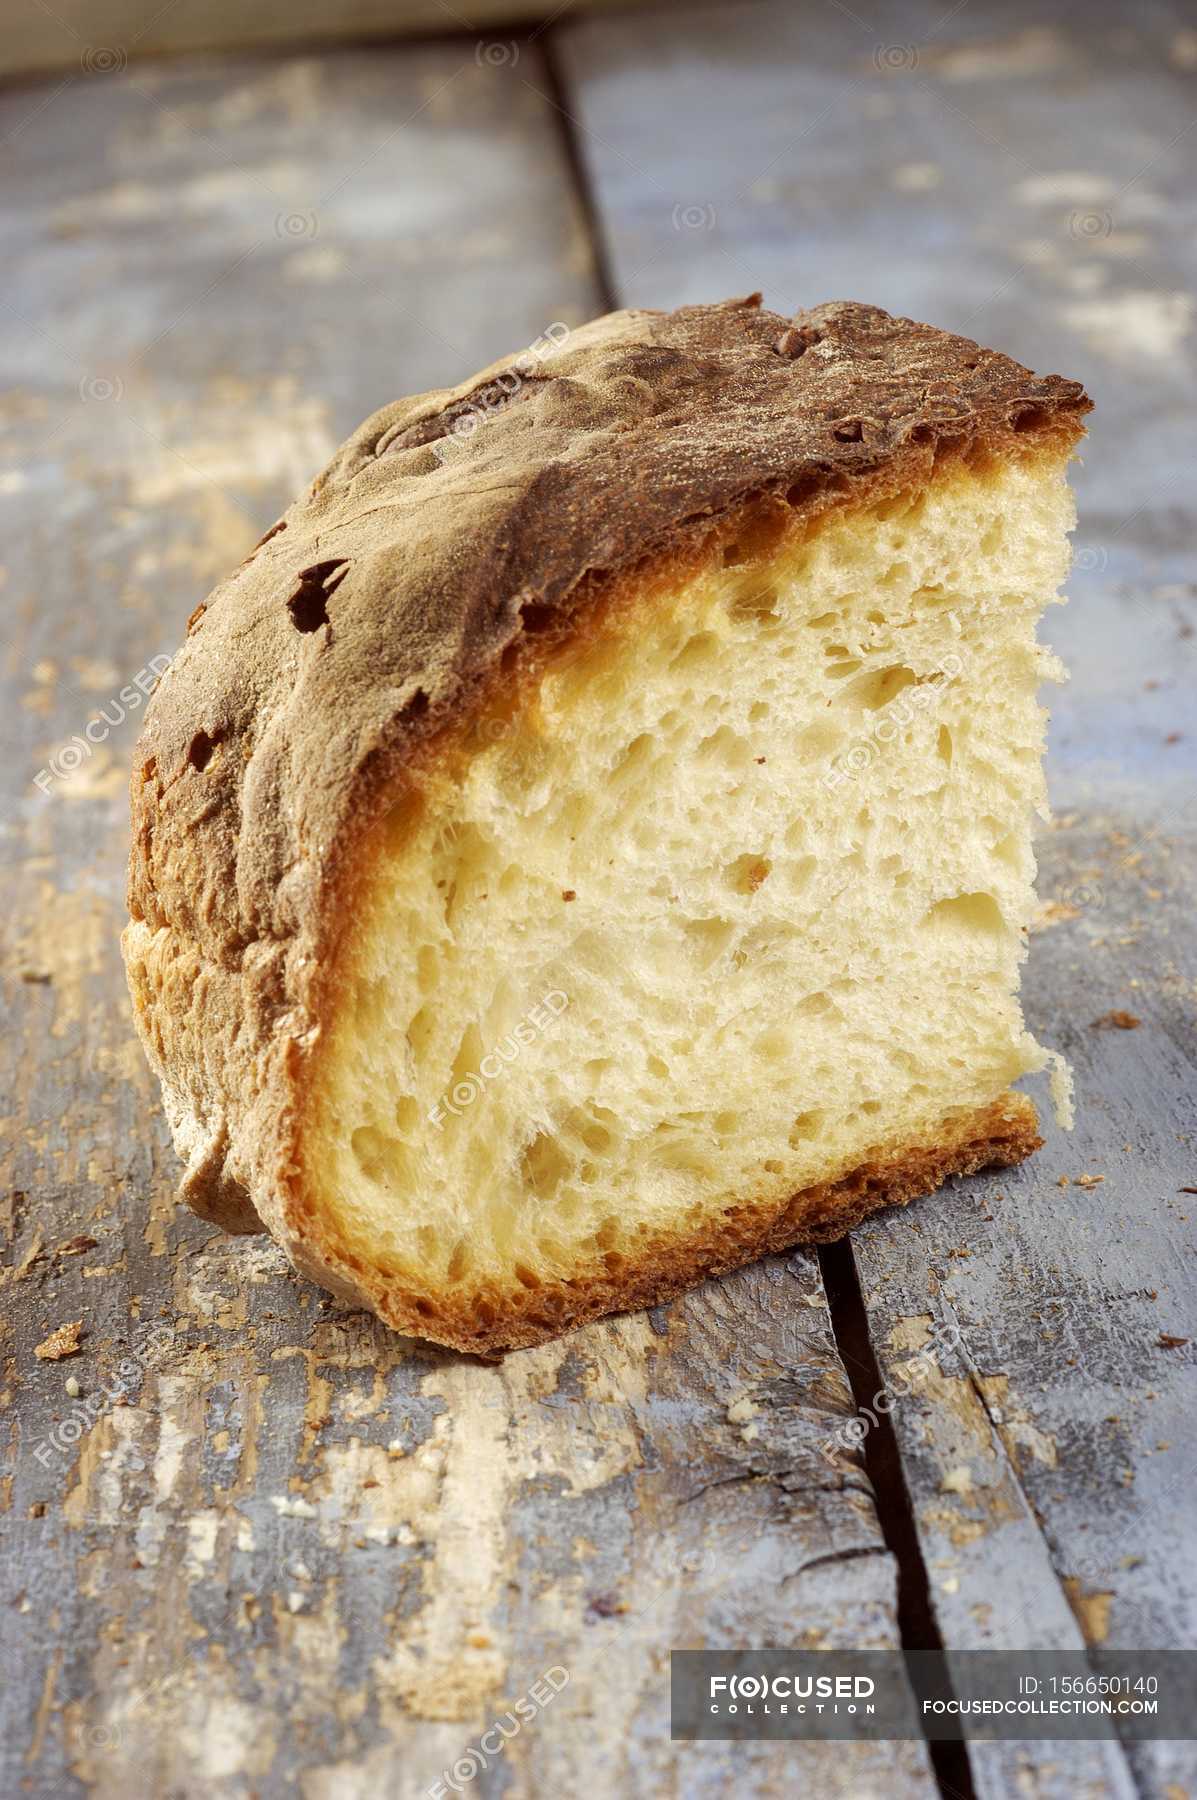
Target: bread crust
[(994, 1136), (363, 636)]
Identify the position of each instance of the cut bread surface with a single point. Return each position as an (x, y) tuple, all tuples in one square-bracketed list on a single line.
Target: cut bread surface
[(573, 858), (723, 907)]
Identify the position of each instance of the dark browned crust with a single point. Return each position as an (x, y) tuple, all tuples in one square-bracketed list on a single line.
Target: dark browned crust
[(993, 1137), (402, 592)]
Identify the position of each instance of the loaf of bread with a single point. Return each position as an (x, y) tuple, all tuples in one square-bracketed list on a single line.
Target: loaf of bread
[(588, 843)]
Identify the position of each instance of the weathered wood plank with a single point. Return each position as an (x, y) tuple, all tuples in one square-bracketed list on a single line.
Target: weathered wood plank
[(90, 37), (1027, 179), (1053, 1450), (294, 1554)]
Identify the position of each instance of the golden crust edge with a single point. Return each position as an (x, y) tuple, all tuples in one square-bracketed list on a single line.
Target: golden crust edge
[(998, 1134)]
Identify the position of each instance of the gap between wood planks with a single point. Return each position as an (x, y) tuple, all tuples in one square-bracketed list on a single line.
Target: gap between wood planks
[(578, 176), (916, 1619)]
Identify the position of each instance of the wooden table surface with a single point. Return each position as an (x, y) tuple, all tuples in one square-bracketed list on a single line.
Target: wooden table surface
[(285, 1552)]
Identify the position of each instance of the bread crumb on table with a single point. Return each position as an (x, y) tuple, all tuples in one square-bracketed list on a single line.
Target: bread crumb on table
[(957, 1481), (62, 1342)]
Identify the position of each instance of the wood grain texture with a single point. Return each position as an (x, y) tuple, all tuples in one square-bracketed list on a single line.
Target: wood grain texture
[(254, 1545), (84, 37), (1025, 177)]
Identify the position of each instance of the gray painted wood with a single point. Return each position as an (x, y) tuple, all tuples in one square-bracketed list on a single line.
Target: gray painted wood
[(83, 38), (294, 1554), (1025, 176)]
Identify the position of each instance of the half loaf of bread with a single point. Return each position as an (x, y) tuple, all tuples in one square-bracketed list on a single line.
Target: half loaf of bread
[(588, 843)]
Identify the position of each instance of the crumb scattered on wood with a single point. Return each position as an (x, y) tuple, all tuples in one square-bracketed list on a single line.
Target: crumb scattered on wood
[(606, 1606), (569, 894), (60, 1343), (1053, 912), (1116, 1021), (76, 1246), (957, 1481)]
